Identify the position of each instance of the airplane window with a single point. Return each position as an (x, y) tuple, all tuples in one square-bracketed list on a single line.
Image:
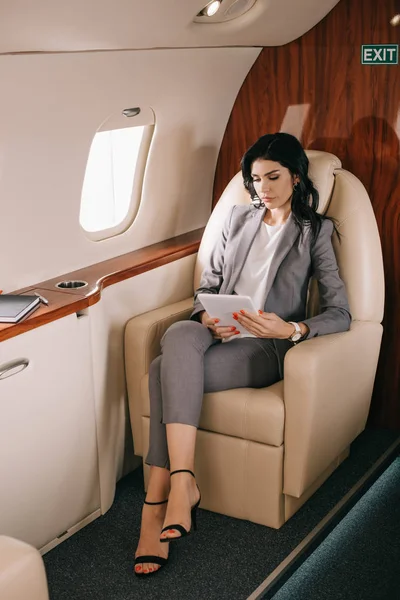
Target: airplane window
[(114, 172), (108, 180)]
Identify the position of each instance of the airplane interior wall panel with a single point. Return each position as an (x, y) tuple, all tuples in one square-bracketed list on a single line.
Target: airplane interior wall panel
[(323, 94), (49, 468), (50, 109)]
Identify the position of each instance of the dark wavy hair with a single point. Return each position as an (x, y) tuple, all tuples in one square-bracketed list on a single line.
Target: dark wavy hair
[(287, 150)]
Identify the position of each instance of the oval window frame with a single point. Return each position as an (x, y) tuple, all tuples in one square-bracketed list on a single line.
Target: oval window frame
[(146, 119)]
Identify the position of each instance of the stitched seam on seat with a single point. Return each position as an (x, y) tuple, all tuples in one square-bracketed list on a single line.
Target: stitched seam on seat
[(245, 471), (356, 210), (245, 419)]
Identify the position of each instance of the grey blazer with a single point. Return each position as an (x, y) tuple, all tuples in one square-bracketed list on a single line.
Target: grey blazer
[(295, 261)]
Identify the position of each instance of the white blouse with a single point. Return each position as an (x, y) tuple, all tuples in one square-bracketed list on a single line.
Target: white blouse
[(253, 278)]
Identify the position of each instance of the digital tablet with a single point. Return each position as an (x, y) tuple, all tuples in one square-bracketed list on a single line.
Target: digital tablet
[(221, 306)]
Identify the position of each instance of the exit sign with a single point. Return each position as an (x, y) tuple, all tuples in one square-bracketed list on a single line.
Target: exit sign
[(380, 54)]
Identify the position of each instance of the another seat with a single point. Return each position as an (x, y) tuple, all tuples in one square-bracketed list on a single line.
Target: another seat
[(261, 453), (22, 573)]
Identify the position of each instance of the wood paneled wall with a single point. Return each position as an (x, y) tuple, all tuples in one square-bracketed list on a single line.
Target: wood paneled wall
[(351, 110)]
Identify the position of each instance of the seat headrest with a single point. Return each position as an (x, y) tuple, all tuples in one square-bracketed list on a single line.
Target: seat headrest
[(321, 172)]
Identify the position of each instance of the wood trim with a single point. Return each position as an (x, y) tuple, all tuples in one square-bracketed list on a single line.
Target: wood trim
[(63, 302)]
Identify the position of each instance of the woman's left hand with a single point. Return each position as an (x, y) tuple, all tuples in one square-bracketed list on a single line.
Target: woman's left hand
[(264, 325)]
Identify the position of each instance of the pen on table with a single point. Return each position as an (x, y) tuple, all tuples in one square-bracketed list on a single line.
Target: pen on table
[(42, 299)]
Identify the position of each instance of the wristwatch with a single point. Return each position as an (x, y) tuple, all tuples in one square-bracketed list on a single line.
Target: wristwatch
[(296, 335)]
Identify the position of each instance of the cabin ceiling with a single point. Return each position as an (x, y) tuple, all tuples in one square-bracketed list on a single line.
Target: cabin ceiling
[(84, 25)]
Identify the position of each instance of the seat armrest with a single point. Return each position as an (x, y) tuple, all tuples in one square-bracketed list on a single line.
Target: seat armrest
[(22, 573), (142, 344), (328, 384)]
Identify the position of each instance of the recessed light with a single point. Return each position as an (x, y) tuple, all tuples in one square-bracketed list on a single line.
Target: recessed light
[(221, 11), (210, 9)]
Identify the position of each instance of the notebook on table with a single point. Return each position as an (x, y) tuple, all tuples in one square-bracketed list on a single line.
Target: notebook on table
[(14, 308)]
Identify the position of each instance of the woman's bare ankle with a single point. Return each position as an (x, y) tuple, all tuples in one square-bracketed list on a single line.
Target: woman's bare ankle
[(159, 485), (184, 483), (153, 514)]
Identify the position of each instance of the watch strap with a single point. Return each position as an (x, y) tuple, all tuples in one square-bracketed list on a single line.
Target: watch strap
[(297, 333)]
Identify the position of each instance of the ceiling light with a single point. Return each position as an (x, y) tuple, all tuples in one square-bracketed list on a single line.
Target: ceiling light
[(211, 9), (221, 11)]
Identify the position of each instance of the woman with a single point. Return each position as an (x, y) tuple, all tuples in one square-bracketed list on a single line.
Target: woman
[(267, 250)]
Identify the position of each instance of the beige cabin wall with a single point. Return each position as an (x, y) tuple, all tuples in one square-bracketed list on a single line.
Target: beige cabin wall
[(50, 108), (49, 26)]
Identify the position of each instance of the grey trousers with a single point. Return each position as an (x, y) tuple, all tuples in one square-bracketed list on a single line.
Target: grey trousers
[(192, 363)]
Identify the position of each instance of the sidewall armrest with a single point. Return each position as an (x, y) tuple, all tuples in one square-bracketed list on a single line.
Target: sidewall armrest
[(328, 383)]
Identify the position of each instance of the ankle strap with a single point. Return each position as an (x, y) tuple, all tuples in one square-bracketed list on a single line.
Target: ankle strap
[(154, 503), (182, 471)]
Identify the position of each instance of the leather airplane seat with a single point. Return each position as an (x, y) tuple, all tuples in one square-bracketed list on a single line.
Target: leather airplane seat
[(261, 453), (22, 573)]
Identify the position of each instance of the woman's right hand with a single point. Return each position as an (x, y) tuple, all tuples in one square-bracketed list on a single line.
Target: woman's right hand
[(219, 333)]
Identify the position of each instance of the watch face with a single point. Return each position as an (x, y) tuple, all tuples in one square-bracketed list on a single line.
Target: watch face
[(296, 337)]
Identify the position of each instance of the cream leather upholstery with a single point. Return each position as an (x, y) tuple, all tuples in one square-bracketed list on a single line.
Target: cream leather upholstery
[(261, 453), (248, 412), (22, 574)]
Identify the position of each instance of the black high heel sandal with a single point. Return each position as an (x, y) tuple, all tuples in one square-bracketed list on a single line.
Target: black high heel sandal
[(193, 514), (155, 560)]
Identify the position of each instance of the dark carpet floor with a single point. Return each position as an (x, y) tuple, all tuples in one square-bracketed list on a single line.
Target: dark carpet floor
[(226, 559), (360, 559)]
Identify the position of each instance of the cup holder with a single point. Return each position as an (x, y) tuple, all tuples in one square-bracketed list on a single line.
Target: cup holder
[(71, 284)]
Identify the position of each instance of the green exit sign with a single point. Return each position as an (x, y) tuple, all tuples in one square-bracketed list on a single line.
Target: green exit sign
[(380, 54)]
